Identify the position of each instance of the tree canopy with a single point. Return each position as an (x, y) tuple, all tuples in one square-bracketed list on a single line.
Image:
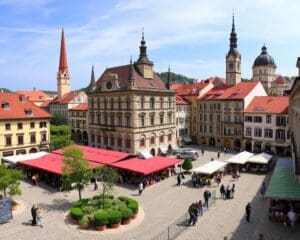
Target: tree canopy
[(76, 170), (187, 164), (10, 179), (60, 136), (178, 78)]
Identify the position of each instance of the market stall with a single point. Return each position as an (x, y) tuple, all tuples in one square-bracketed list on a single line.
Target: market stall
[(259, 163), (13, 160), (237, 162)]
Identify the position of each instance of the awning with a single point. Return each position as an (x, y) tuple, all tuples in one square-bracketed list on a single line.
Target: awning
[(23, 157), (145, 154), (186, 139), (52, 163), (210, 167), (146, 166), (99, 155), (240, 158), (262, 158), (283, 184), (163, 149)]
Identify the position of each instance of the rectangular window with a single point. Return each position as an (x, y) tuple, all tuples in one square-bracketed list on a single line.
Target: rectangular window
[(7, 140), (161, 119), (257, 132), (268, 133), (268, 119), (20, 125), (281, 121), (257, 119), (280, 134), (248, 118), (20, 140), (43, 137), (128, 143), (7, 126), (152, 120), (32, 125), (248, 132), (99, 139), (43, 124), (32, 138)]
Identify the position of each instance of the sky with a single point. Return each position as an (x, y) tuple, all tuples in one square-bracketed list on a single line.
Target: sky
[(191, 36)]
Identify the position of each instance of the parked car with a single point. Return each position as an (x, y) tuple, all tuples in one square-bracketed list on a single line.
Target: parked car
[(188, 154)]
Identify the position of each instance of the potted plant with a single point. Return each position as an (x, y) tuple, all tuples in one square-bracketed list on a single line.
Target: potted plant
[(114, 218), (126, 215), (101, 220), (76, 214), (14, 205), (84, 222), (134, 206)]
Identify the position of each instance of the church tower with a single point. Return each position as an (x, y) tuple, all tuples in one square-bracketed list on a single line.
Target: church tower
[(233, 59), (144, 65), (63, 76), (92, 85)]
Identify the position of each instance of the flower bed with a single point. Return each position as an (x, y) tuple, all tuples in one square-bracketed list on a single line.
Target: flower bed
[(99, 213)]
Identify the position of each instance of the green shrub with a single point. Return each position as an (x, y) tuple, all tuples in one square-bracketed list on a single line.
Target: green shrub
[(126, 213), (134, 206), (88, 209), (101, 218), (114, 216), (107, 205), (81, 202), (76, 213), (14, 203), (105, 196), (84, 221), (187, 164)]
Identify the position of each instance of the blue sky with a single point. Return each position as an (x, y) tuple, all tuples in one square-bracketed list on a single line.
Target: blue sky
[(190, 36)]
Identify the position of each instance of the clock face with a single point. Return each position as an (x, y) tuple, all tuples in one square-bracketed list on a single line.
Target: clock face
[(108, 85)]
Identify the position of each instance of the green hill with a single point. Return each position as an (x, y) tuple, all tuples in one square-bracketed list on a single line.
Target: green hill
[(178, 78)]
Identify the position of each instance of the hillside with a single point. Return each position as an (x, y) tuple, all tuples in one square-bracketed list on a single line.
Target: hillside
[(178, 78)]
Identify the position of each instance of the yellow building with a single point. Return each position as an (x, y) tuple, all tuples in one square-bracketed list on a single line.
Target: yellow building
[(24, 127)]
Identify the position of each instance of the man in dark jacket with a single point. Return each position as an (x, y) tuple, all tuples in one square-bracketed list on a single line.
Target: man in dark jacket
[(193, 212), (33, 214), (248, 211), (222, 191), (206, 195)]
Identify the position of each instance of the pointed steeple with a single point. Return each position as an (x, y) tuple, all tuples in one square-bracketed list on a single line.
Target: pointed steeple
[(169, 80), (143, 58), (92, 86), (131, 75), (63, 64), (233, 40)]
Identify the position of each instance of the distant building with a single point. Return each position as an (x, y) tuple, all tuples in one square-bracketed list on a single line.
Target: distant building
[(183, 119), (65, 99), (39, 98), (24, 127), (266, 125), (78, 121), (131, 110), (279, 86)]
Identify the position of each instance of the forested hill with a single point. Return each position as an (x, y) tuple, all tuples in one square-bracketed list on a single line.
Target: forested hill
[(178, 78)]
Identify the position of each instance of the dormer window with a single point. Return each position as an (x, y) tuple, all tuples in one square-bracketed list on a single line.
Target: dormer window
[(22, 98), (28, 112), (5, 105)]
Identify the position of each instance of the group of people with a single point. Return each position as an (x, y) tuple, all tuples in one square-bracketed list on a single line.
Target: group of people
[(227, 193), (36, 213)]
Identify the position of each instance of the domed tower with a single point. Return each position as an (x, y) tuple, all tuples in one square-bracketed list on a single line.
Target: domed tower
[(264, 69), (233, 59)]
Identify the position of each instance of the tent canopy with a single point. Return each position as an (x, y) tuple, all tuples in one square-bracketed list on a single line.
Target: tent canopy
[(51, 162), (262, 158), (163, 149), (99, 155), (23, 157), (210, 167), (186, 139), (146, 166), (145, 154), (240, 158), (283, 184)]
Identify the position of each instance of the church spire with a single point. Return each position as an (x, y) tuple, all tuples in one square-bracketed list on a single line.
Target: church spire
[(93, 81), (169, 79), (233, 37), (143, 58), (63, 64)]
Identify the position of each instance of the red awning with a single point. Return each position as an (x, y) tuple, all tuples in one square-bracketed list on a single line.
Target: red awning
[(51, 163), (99, 155), (146, 166)]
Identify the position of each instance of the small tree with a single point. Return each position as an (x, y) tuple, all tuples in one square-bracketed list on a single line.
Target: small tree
[(58, 119), (108, 177), (187, 164), (9, 179), (76, 169), (60, 136)]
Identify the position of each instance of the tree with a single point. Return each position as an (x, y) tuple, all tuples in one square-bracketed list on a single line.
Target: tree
[(60, 136), (108, 177), (187, 164), (76, 169), (178, 78), (58, 119), (9, 179)]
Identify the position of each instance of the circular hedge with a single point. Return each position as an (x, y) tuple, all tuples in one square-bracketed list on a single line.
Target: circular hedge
[(99, 211)]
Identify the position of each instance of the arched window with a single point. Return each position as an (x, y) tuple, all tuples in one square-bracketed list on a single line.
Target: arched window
[(128, 120), (119, 142), (152, 140), (161, 118), (161, 138), (128, 143), (152, 103), (128, 103), (170, 137), (142, 103), (152, 119), (142, 142), (161, 102), (169, 117), (170, 102), (142, 120)]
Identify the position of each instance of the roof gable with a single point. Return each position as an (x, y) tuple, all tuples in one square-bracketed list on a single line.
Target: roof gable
[(269, 104)]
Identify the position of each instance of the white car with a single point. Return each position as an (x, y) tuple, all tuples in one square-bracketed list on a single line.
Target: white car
[(188, 154)]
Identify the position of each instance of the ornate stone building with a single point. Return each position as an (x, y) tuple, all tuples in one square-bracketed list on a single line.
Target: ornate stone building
[(264, 69), (131, 110)]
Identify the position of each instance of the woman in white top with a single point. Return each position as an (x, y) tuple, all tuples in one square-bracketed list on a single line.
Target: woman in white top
[(39, 213)]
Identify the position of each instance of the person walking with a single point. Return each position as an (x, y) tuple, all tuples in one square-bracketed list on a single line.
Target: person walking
[(193, 212), (178, 179), (39, 217), (261, 237), (141, 188), (182, 178), (262, 189), (33, 214), (232, 190), (200, 208), (222, 191), (202, 151), (292, 217), (248, 212), (218, 154), (95, 185), (206, 197)]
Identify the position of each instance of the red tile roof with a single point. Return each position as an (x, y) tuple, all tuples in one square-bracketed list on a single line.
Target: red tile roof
[(45, 104), (65, 99), (176, 86), (80, 107), (182, 101), (191, 89), (35, 96), (238, 91), (269, 104), (140, 82), (16, 109)]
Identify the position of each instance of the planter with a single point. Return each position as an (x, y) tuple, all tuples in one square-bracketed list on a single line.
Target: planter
[(101, 228), (115, 225), (74, 221), (84, 227), (126, 221), (134, 216)]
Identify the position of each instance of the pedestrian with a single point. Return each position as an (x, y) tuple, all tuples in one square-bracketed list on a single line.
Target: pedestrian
[(227, 192), (262, 189), (232, 190), (193, 212), (200, 208), (141, 188), (292, 217), (33, 214), (218, 154), (178, 179), (211, 159), (206, 197), (95, 185), (39, 217), (261, 237), (222, 191), (202, 151), (182, 178), (248, 212), (33, 179)]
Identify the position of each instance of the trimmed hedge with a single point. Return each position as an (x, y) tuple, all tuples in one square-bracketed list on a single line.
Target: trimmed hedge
[(105, 196), (126, 213), (84, 221), (77, 213), (131, 203), (88, 209), (101, 218), (114, 216), (81, 202)]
